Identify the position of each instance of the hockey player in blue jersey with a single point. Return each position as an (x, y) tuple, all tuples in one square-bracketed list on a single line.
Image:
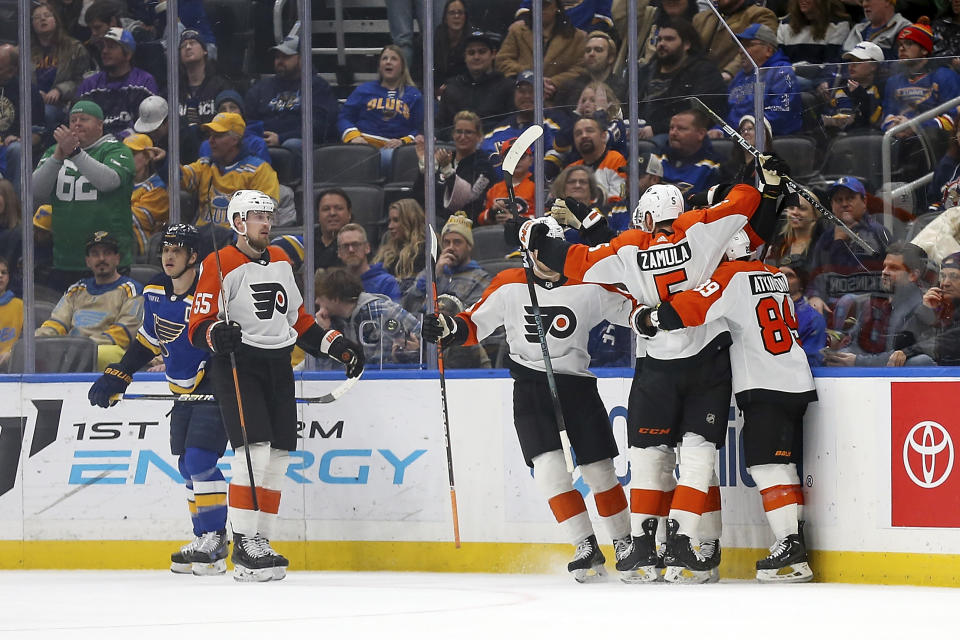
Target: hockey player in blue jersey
[(197, 435)]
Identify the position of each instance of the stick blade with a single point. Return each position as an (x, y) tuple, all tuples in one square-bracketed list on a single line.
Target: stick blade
[(520, 146), (434, 243)]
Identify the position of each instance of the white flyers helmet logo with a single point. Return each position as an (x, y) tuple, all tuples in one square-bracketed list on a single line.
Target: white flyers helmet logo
[(928, 449)]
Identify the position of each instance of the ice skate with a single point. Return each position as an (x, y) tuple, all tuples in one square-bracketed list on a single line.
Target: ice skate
[(210, 556), (637, 561), (251, 560), (685, 564), (280, 563), (182, 561), (710, 549), (787, 562), (588, 561)]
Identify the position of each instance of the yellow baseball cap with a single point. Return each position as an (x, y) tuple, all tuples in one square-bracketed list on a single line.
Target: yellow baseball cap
[(227, 122), (138, 141)]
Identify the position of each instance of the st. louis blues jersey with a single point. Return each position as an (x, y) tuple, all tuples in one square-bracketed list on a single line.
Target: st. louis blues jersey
[(166, 316)]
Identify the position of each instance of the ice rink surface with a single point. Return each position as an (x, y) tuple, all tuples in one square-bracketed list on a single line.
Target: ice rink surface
[(138, 605)]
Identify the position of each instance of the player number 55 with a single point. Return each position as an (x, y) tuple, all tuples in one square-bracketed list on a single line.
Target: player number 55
[(201, 303)]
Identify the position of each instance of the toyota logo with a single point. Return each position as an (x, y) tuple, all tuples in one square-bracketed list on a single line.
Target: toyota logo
[(928, 440)]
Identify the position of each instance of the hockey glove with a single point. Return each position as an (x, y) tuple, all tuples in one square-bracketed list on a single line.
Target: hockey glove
[(644, 321), (224, 337), (532, 231), (106, 390), (437, 327), (772, 171), (573, 213), (338, 348)]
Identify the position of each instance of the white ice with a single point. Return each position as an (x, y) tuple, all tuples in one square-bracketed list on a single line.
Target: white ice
[(139, 605)]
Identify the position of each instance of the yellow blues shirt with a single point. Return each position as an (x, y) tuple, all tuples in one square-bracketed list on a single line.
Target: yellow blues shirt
[(215, 184), (11, 320)]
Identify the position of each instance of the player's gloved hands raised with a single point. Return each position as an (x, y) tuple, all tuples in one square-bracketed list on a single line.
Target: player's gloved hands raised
[(224, 337), (533, 231), (772, 170), (437, 327), (643, 319), (335, 346), (106, 390), (569, 214)]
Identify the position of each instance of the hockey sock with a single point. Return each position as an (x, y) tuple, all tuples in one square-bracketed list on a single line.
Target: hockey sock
[(243, 517), (191, 502), (269, 492), (209, 488), (555, 484), (609, 497), (651, 486), (782, 496), (710, 522), (697, 465)]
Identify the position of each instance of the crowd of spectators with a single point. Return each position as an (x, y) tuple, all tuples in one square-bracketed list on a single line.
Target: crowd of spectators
[(829, 70)]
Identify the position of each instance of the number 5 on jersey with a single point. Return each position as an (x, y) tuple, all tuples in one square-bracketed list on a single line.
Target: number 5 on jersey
[(201, 303)]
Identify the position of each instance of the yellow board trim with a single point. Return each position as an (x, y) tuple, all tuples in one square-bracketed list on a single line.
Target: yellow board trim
[(935, 570)]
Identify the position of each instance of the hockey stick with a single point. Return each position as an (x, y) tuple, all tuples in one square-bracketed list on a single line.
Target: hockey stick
[(809, 197), (434, 252), (236, 380), (520, 146), (200, 397)]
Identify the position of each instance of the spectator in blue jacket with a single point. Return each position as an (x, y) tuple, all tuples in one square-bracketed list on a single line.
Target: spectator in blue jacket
[(276, 101), (782, 105), (353, 248), (689, 161)]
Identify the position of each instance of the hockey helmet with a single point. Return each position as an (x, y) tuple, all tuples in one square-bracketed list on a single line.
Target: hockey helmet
[(243, 202), (181, 235), (662, 201), (738, 246)]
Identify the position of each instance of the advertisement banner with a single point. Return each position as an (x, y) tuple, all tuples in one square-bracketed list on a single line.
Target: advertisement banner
[(924, 430)]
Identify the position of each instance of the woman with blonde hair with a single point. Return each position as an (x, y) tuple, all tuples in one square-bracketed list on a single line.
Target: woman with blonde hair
[(402, 253), (801, 228)]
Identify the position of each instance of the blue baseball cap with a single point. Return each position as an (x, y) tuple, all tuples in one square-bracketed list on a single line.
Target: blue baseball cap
[(122, 36), (847, 182), (760, 32), (525, 77)]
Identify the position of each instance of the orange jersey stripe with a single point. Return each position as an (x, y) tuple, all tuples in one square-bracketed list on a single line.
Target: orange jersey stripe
[(688, 499), (665, 501), (566, 505), (713, 500), (241, 497), (646, 501), (268, 499), (611, 502), (781, 495)]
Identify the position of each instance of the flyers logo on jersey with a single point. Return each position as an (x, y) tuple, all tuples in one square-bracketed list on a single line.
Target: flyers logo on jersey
[(558, 322), (267, 297)]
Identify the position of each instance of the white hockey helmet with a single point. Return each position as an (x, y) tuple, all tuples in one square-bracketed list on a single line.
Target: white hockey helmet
[(738, 246), (243, 202), (662, 201)]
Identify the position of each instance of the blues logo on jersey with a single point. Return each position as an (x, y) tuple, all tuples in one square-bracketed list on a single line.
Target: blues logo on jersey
[(165, 318)]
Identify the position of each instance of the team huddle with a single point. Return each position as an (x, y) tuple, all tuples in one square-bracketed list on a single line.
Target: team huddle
[(710, 322)]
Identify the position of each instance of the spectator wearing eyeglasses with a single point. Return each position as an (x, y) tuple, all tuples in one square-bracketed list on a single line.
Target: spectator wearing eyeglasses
[(479, 88), (354, 252)]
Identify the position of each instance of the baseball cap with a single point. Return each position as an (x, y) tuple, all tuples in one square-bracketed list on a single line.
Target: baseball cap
[(865, 51), (88, 107), (289, 47), (489, 38), (227, 122), (192, 34), (847, 182), (102, 237), (650, 163), (952, 261), (122, 36), (43, 218), (138, 141), (153, 111), (760, 32), (525, 77)]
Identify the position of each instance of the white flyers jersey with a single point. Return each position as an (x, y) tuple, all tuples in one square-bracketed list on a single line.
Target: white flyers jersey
[(260, 294), (653, 267), (569, 311), (766, 358)]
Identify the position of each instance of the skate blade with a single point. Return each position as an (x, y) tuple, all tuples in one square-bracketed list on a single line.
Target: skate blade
[(243, 574), (641, 575), (183, 568), (209, 568), (683, 575), (798, 572), (279, 573), (594, 574)]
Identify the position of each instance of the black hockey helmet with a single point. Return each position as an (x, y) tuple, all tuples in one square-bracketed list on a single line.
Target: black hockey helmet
[(181, 235)]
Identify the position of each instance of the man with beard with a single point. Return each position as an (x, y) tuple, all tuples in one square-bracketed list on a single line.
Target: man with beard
[(590, 141), (276, 101), (120, 87), (678, 71), (878, 337), (938, 318), (689, 162)]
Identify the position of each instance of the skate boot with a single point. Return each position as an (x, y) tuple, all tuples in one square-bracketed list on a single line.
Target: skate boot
[(637, 561), (685, 564), (280, 563), (251, 560), (787, 562), (182, 561), (710, 549), (587, 563), (210, 557)]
